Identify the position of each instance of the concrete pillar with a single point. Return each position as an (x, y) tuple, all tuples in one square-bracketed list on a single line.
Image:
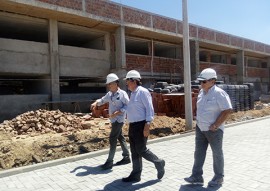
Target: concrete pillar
[(54, 60), (120, 45), (208, 56), (120, 55), (268, 67), (228, 59), (240, 67), (194, 59)]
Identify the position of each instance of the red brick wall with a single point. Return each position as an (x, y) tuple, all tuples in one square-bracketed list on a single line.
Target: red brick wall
[(138, 62), (236, 41), (179, 27), (227, 69), (168, 65), (160, 65), (72, 4), (111, 10), (103, 8), (267, 49), (257, 72), (221, 69), (222, 38), (248, 44), (163, 23), (206, 34), (259, 46), (137, 17), (192, 31)]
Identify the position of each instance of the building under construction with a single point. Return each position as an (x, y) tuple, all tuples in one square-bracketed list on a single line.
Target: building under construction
[(60, 51)]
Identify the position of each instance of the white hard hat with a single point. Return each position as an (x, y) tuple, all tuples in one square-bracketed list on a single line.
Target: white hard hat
[(207, 74), (134, 74), (111, 78)]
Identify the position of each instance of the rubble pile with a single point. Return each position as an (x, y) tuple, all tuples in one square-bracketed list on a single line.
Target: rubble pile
[(43, 121)]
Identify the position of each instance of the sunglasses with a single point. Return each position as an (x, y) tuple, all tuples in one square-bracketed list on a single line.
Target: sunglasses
[(129, 79), (204, 81)]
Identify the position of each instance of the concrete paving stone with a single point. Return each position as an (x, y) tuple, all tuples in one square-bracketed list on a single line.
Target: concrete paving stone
[(247, 166)]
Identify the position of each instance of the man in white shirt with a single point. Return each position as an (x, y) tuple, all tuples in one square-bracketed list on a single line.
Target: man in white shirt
[(118, 100), (140, 114), (213, 107)]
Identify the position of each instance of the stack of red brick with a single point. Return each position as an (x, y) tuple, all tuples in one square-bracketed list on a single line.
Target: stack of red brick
[(172, 105), (101, 111)]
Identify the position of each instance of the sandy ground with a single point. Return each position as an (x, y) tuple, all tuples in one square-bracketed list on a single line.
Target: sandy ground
[(49, 138)]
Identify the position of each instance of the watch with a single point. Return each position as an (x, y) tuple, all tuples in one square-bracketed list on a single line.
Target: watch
[(148, 122)]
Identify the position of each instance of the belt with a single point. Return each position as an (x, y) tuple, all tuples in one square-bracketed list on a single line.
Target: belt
[(133, 123)]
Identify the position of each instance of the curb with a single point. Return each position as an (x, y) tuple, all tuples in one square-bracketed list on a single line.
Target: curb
[(10, 172)]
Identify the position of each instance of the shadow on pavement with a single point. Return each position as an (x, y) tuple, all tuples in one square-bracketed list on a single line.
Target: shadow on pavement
[(190, 187), (119, 185), (89, 170)]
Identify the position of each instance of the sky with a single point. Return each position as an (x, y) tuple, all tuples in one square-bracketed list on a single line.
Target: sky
[(244, 18)]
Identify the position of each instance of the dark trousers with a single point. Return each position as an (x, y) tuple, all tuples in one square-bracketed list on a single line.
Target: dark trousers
[(202, 140), (116, 134), (138, 148)]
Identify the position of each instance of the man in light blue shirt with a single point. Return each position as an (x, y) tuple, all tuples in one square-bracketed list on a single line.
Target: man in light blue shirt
[(140, 114), (118, 100), (213, 108)]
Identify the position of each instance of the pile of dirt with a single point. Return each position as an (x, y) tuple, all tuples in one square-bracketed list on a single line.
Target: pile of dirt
[(39, 136)]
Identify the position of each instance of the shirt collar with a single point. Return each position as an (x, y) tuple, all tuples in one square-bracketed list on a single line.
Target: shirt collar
[(210, 90), (117, 92), (137, 88)]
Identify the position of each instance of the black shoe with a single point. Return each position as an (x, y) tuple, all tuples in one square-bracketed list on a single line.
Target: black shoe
[(107, 165), (216, 182), (194, 180), (125, 160), (160, 169), (131, 179)]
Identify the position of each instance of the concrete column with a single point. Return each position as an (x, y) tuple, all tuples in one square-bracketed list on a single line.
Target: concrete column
[(120, 46), (208, 56), (240, 67), (120, 55), (228, 59), (194, 59), (268, 62), (54, 60), (268, 67)]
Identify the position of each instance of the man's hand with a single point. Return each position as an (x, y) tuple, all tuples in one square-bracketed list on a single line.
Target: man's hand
[(213, 127), (114, 114), (146, 130), (93, 106)]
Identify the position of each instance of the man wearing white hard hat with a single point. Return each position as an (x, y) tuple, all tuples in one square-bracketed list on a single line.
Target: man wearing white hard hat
[(118, 100), (213, 107), (140, 114)]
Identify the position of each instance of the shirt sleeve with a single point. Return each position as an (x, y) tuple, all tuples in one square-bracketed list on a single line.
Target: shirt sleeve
[(147, 102), (125, 100), (104, 99), (224, 101)]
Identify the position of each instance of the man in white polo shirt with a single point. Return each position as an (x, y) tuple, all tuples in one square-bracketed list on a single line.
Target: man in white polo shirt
[(213, 107)]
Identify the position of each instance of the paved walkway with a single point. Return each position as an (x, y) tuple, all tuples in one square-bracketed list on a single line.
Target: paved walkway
[(247, 166)]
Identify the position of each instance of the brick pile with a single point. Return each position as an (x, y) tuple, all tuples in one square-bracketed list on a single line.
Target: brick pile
[(43, 121), (172, 105)]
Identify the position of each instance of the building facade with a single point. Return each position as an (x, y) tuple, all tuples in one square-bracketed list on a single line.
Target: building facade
[(62, 50)]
